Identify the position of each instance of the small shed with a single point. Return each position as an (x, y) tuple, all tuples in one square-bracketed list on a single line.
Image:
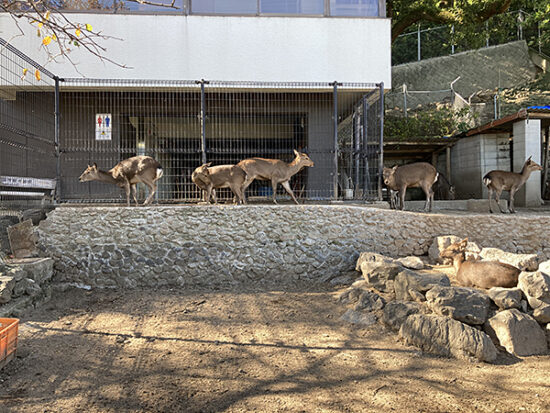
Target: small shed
[(502, 144)]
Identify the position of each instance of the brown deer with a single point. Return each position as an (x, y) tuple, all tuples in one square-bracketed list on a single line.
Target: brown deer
[(208, 178), (126, 174), (481, 274), (498, 181), (419, 174), (274, 170)]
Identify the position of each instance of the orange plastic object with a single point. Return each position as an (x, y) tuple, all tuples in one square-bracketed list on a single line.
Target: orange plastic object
[(9, 328)]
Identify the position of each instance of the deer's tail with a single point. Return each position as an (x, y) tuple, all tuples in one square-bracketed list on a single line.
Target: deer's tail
[(160, 172), (486, 180)]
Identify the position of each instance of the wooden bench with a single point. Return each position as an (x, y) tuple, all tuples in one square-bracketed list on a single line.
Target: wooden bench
[(43, 188)]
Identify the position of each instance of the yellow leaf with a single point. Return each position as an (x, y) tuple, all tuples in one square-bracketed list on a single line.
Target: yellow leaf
[(37, 74), (24, 73), (54, 37), (89, 27), (47, 16), (46, 41), (77, 32), (40, 25)]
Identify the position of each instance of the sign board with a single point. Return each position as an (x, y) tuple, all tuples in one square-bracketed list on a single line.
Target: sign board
[(103, 126), (24, 182)]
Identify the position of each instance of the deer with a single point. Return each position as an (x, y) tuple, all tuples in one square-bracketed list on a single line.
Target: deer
[(419, 174), (208, 178), (497, 181), (274, 170), (481, 274), (127, 174)]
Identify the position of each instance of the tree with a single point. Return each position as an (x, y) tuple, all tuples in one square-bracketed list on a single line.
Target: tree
[(58, 33), (405, 13)]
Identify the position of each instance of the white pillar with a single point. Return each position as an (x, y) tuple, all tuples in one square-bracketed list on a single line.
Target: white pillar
[(526, 144)]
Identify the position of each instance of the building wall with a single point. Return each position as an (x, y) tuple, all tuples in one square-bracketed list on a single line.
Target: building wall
[(225, 48)]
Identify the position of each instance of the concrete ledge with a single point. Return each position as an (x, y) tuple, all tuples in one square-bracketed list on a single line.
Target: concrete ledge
[(474, 205)]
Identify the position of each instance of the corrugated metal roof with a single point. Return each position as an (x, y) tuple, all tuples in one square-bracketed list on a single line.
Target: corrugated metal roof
[(538, 108)]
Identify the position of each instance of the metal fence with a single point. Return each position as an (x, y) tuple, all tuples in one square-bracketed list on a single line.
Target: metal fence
[(184, 124), (27, 125)]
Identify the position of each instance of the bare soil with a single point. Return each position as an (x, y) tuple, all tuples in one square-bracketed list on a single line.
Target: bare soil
[(240, 351)]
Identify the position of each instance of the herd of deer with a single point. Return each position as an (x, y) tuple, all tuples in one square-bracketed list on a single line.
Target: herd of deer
[(469, 273), (129, 172)]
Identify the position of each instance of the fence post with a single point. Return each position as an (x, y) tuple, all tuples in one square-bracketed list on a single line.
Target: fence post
[(366, 179), (418, 46), (381, 142), (203, 121), (453, 39), (56, 144), (335, 148)]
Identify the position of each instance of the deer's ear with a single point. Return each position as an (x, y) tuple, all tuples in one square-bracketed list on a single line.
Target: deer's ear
[(395, 168), (464, 242), (95, 165), (528, 159), (296, 152), (208, 164)]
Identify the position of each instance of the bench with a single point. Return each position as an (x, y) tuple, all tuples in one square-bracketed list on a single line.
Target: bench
[(45, 185)]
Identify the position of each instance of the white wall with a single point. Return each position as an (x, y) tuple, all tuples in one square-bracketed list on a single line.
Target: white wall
[(526, 144), (226, 48)]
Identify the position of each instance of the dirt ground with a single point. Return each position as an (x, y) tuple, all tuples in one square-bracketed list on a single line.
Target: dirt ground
[(254, 350)]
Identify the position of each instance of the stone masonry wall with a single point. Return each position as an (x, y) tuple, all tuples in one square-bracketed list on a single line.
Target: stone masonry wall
[(221, 245)]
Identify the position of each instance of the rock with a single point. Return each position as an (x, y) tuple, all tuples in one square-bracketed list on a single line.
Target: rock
[(542, 314), (380, 271), (363, 299), (472, 251), (371, 257), (461, 303), (16, 307), (525, 262), (547, 329), (505, 298), (358, 317), (410, 285), (517, 332), (544, 267), (439, 244), (447, 337), (411, 262), (536, 287), (7, 285), (395, 313)]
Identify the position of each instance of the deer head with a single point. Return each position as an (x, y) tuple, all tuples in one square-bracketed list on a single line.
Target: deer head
[(303, 159), (457, 248), (531, 165), (90, 174), (202, 170), (388, 175)]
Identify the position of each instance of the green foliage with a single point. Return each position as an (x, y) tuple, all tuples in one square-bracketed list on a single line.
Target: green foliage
[(426, 124)]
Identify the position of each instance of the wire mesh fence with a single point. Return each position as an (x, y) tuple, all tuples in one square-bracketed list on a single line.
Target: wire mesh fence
[(27, 128), (184, 124)]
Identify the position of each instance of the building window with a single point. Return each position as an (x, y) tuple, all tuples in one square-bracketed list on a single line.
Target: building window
[(117, 6), (137, 7), (292, 6), (362, 8), (224, 6)]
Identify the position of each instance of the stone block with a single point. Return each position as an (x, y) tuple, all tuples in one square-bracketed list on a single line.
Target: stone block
[(7, 285), (506, 298), (525, 262), (411, 286), (462, 304), (447, 337), (517, 332), (396, 312), (359, 317), (380, 273), (536, 287), (412, 262)]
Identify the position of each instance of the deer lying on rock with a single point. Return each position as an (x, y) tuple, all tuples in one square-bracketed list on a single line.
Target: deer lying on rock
[(208, 178), (126, 174), (481, 274), (274, 170), (419, 174), (498, 181)]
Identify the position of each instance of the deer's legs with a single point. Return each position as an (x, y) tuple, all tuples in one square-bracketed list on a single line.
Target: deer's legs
[(511, 206), (127, 189), (490, 192), (497, 197), (238, 198), (274, 185), (214, 195), (134, 193), (402, 192), (245, 185), (429, 197), (286, 185), (152, 189)]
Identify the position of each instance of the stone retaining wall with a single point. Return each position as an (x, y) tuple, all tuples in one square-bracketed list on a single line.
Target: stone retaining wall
[(220, 245)]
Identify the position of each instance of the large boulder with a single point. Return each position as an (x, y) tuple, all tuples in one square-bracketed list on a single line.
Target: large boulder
[(364, 300), (6, 288), (506, 298), (525, 262), (462, 304), (536, 287), (517, 332), (412, 262), (547, 329), (439, 244), (542, 314), (379, 271), (411, 286), (447, 337), (359, 317), (545, 267), (396, 312)]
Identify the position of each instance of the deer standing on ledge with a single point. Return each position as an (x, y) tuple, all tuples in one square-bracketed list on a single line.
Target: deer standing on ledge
[(274, 170), (419, 174), (498, 181), (481, 274), (126, 174), (208, 178)]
